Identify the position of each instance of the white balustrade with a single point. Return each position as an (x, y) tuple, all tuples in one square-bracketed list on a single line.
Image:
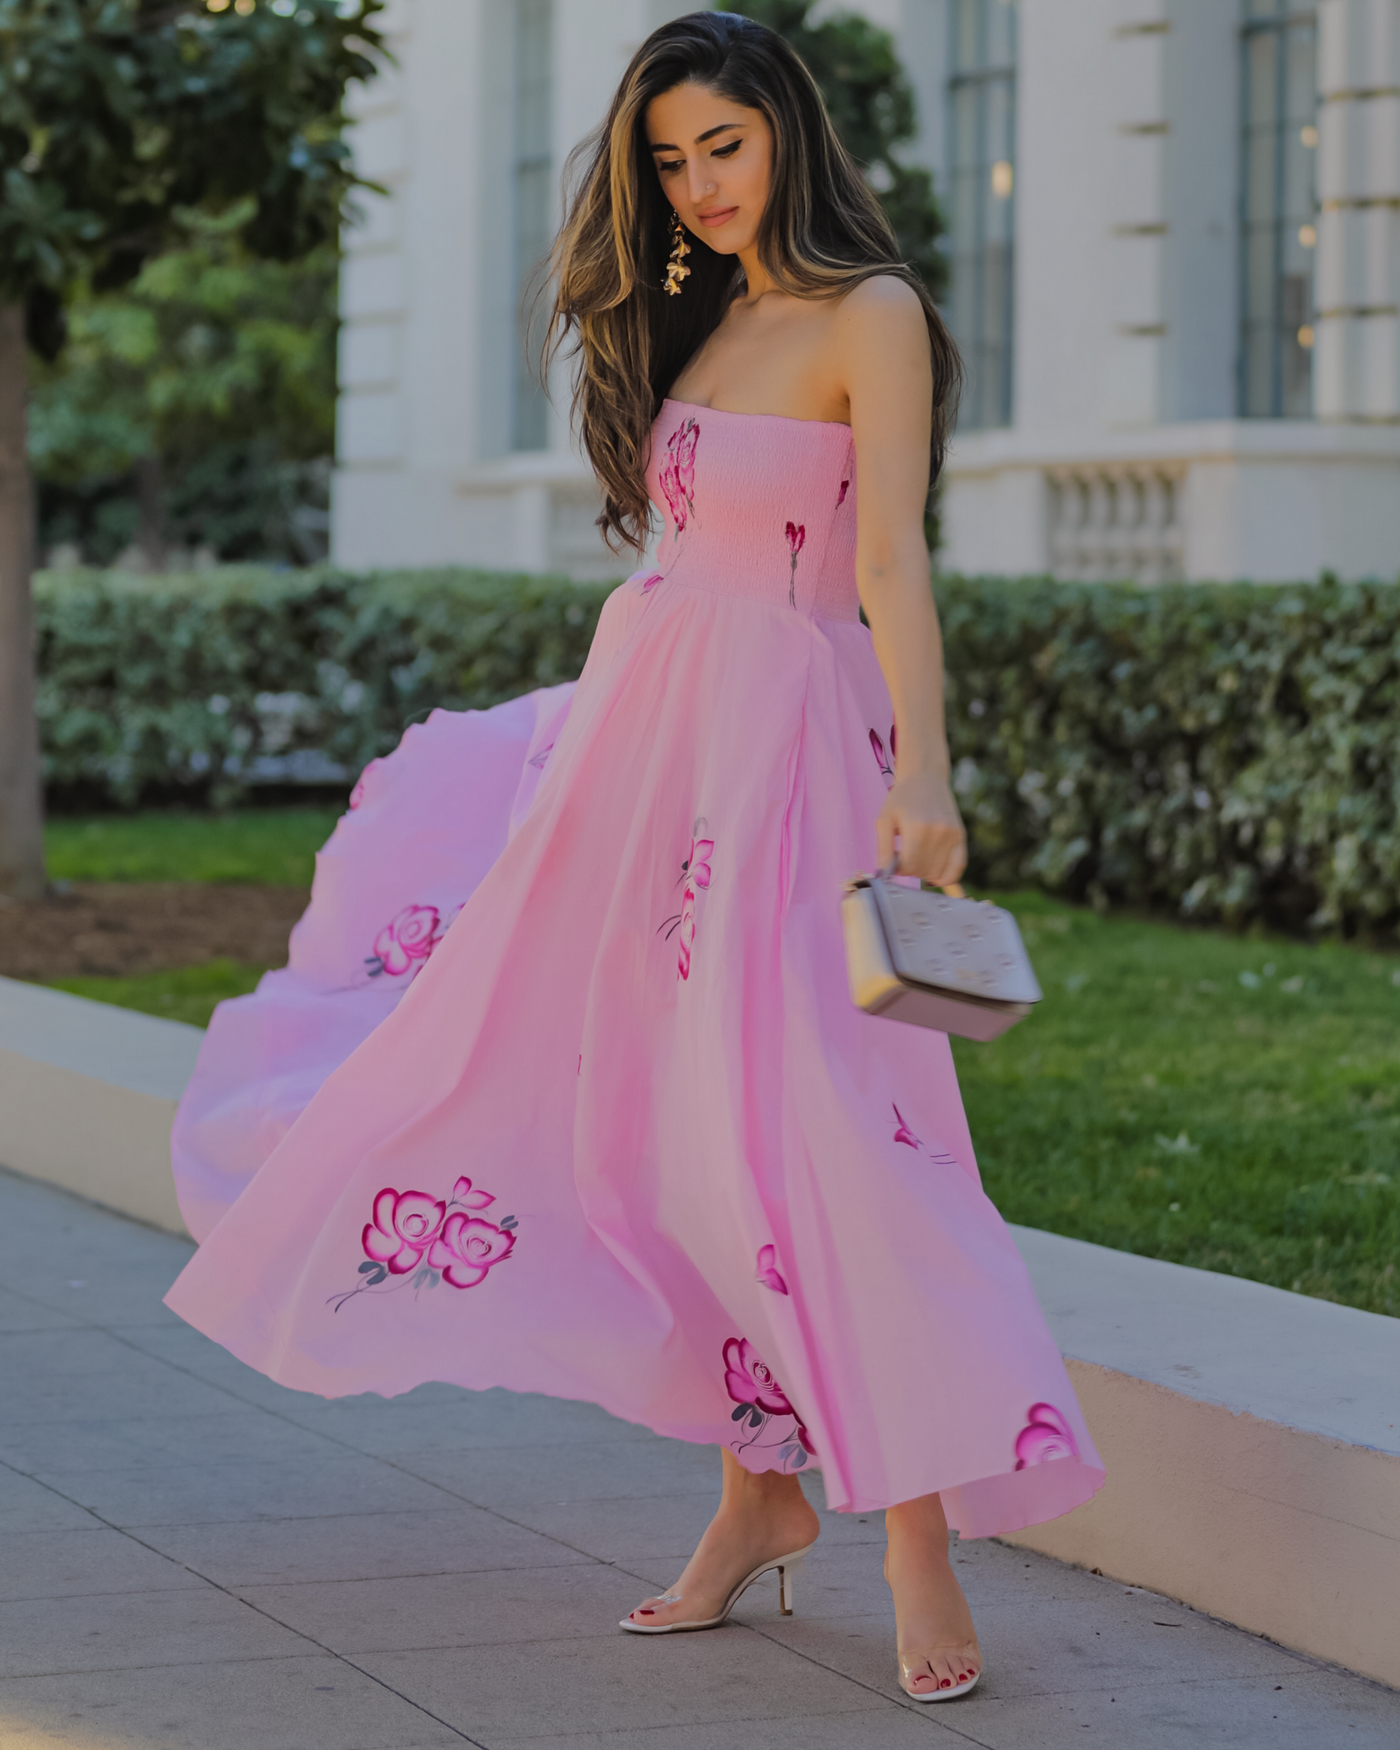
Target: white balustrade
[(1110, 523)]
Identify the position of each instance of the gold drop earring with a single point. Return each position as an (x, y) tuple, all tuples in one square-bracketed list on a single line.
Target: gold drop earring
[(676, 270)]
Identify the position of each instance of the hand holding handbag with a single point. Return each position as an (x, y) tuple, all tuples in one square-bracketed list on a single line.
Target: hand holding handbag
[(935, 959)]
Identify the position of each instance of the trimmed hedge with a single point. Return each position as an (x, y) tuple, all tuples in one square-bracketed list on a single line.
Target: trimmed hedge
[(1229, 753), (198, 685)]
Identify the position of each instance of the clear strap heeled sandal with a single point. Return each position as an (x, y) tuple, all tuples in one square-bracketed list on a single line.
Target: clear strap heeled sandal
[(787, 1567)]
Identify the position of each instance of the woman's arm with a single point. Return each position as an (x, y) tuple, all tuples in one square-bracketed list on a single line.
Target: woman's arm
[(882, 349)]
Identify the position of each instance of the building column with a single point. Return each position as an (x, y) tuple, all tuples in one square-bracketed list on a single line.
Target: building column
[(1358, 267), (1137, 219)]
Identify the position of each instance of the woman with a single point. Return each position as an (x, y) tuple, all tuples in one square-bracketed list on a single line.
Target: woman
[(740, 1211)]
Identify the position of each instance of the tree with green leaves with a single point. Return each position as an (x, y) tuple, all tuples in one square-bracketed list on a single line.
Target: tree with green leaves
[(193, 409), (871, 105), (121, 121)]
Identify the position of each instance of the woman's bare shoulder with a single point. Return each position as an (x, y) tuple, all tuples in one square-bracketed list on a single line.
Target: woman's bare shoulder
[(881, 331), (881, 299)]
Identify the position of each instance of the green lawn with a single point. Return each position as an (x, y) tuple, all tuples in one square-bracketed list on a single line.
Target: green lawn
[(1227, 1102), (275, 847), (187, 995)]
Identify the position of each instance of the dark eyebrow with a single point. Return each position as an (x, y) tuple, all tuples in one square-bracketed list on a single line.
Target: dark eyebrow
[(709, 134)]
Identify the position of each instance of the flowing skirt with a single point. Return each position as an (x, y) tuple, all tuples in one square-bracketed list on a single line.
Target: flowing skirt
[(618, 1133)]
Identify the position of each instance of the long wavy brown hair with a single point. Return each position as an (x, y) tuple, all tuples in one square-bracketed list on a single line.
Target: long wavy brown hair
[(822, 233)]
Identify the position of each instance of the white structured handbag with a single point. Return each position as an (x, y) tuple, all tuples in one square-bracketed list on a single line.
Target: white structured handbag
[(936, 959)]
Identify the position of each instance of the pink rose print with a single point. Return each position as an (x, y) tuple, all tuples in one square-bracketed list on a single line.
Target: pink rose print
[(685, 934), (1046, 1435), (768, 1275), (759, 1401), (405, 1224), (467, 1247), (883, 760), (411, 937), (697, 864), (902, 1132), (796, 535), (678, 473), (460, 1247), (695, 873), (841, 495), (750, 1382)]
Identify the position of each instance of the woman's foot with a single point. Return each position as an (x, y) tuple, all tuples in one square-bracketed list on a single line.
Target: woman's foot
[(934, 1635), (760, 1517)]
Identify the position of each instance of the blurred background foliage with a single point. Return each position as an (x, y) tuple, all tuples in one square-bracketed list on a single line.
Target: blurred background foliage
[(193, 411), (1222, 751), (174, 181), (201, 686)]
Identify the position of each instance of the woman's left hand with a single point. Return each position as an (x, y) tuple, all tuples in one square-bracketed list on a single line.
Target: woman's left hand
[(921, 813)]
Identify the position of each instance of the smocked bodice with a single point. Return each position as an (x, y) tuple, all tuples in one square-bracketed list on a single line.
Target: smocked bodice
[(756, 506)]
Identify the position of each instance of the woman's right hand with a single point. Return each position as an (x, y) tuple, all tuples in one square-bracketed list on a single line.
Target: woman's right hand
[(921, 813)]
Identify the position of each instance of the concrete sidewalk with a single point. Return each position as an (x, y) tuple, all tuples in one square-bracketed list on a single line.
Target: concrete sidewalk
[(193, 1557)]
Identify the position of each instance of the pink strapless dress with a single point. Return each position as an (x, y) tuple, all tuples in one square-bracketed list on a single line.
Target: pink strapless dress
[(618, 1133)]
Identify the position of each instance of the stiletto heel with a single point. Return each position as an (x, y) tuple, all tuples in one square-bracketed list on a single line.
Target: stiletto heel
[(787, 1566), (787, 1572)]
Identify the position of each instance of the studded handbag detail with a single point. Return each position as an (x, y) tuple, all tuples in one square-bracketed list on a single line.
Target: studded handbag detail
[(935, 959)]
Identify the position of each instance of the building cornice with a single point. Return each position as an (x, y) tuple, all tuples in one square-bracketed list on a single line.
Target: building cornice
[(524, 468), (1240, 440)]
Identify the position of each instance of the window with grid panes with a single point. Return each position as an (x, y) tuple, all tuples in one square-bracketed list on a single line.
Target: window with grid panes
[(1278, 218), (980, 201)]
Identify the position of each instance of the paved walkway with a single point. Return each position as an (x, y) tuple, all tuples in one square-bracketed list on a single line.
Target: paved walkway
[(193, 1557)]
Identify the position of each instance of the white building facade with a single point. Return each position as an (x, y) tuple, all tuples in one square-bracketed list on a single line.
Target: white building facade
[(1174, 235)]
